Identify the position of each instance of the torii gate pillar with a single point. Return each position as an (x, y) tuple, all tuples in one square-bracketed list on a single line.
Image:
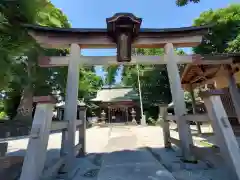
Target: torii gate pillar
[(179, 103), (70, 112)]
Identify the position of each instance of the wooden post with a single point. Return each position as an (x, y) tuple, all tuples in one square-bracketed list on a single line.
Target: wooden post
[(226, 139), (234, 92), (60, 114), (166, 130), (127, 113), (198, 124), (70, 112), (82, 129), (34, 159), (63, 150), (179, 103)]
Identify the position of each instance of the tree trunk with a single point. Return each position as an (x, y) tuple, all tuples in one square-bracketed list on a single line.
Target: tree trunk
[(24, 110)]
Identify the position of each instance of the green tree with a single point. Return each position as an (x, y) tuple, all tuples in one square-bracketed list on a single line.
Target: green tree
[(185, 2), (153, 78), (111, 72), (20, 52), (225, 34), (89, 84)]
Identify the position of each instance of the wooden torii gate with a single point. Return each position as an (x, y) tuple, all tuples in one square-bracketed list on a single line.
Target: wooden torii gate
[(123, 31)]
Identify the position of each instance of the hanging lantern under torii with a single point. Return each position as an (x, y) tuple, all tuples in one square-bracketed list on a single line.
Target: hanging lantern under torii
[(123, 28)]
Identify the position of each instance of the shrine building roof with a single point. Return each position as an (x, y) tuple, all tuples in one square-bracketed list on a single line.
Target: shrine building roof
[(116, 94), (201, 74)]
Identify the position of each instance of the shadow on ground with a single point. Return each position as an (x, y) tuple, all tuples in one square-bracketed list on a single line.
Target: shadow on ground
[(165, 164), (12, 169), (142, 163)]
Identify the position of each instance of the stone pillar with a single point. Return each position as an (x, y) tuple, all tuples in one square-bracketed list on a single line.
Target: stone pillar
[(70, 112), (34, 159), (198, 124), (225, 137), (234, 92), (82, 128), (165, 125), (179, 103)]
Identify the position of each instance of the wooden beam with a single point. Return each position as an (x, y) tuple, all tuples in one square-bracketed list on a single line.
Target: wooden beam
[(102, 60), (52, 171), (175, 141), (63, 125), (203, 75), (82, 130), (165, 128), (59, 125), (194, 106), (77, 148), (51, 40), (79, 122), (191, 117), (234, 91)]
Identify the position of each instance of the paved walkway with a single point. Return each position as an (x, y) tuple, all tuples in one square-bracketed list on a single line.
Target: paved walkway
[(129, 153), (133, 153), (123, 158)]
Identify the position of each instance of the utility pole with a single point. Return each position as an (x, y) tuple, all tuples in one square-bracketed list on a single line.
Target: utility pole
[(140, 92), (143, 120)]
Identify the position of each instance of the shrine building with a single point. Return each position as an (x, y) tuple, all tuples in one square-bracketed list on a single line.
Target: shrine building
[(118, 104)]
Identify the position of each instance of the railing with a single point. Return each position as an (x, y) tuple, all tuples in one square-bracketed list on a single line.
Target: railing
[(226, 143), (188, 117), (42, 127), (54, 167), (62, 125), (191, 117)]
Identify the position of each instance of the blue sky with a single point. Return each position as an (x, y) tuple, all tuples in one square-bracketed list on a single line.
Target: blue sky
[(155, 14)]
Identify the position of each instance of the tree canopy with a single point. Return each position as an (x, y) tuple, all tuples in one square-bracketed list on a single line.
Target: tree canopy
[(19, 53), (224, 37), (185, 2)]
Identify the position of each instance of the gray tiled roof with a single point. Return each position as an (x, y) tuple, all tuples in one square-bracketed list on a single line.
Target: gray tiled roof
[(116, 94)]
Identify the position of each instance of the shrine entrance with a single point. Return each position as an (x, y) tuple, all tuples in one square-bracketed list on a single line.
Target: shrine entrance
[(120, 112), (118, 105), (118, 115), (123, 31)]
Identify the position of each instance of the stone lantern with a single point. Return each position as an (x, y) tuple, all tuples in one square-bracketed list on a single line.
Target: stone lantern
[(123, 28), (133, 113), (82, 128), (82, 110), (103, 116)]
